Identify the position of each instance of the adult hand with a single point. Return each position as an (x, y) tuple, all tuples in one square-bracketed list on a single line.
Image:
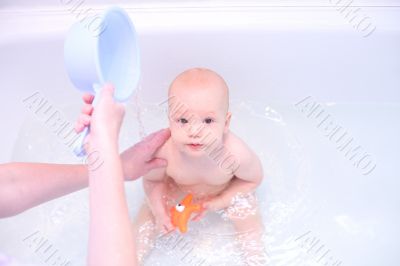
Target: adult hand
[(138, 159)]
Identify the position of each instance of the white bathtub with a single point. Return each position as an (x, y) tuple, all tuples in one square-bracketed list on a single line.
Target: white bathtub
[(319, 206)]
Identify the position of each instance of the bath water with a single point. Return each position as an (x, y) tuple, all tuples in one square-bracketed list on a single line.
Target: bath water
[(312, 199)]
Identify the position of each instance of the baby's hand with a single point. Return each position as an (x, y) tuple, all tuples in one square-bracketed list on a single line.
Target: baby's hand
[(213, 204), (216, 203), (163, 222)]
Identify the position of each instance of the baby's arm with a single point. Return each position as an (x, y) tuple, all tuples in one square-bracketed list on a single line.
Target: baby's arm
[(155, 187), (247, 177)]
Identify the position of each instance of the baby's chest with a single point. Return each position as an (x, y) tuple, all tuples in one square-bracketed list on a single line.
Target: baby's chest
[(186, 175)]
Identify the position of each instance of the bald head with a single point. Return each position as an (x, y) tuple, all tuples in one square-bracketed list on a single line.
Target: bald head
[(201, 79)]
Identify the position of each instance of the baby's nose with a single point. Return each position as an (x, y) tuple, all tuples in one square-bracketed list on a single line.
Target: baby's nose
[(195, 129)]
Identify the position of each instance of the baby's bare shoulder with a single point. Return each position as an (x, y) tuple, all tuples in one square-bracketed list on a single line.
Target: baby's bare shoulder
[(249, 165), (236, 146)]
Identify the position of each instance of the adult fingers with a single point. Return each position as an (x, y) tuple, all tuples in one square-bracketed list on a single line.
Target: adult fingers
[(156, 163), (88, 98), (78, 127), (107, 91), (157, 139), (84, 119), (87, 109)]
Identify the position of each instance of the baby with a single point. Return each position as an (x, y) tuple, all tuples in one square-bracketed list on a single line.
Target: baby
[(205, 159)]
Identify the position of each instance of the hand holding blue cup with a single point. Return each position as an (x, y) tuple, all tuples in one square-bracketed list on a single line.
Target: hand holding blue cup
[(111, 56)]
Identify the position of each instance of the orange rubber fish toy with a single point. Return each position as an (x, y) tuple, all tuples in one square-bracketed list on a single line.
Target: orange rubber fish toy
[(180, 214)]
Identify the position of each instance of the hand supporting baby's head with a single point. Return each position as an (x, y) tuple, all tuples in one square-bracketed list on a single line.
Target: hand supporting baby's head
[(198, 109)]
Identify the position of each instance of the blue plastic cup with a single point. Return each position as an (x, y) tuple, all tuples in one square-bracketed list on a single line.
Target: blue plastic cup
[(109, 56)]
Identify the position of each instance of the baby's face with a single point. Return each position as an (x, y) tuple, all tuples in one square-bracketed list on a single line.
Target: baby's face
[(198, 116)]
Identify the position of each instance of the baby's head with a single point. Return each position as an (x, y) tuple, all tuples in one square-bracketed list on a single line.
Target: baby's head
[(198, 110)]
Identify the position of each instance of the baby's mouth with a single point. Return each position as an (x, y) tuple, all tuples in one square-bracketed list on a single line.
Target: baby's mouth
[(195, 146)]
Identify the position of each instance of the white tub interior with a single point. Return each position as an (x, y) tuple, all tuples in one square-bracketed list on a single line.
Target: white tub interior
[(314, 200)]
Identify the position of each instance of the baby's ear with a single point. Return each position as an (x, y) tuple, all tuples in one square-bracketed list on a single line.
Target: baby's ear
[(227, 121)]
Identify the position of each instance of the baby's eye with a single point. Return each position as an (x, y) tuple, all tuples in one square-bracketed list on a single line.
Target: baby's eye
[(183, 120), (208, 120)]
